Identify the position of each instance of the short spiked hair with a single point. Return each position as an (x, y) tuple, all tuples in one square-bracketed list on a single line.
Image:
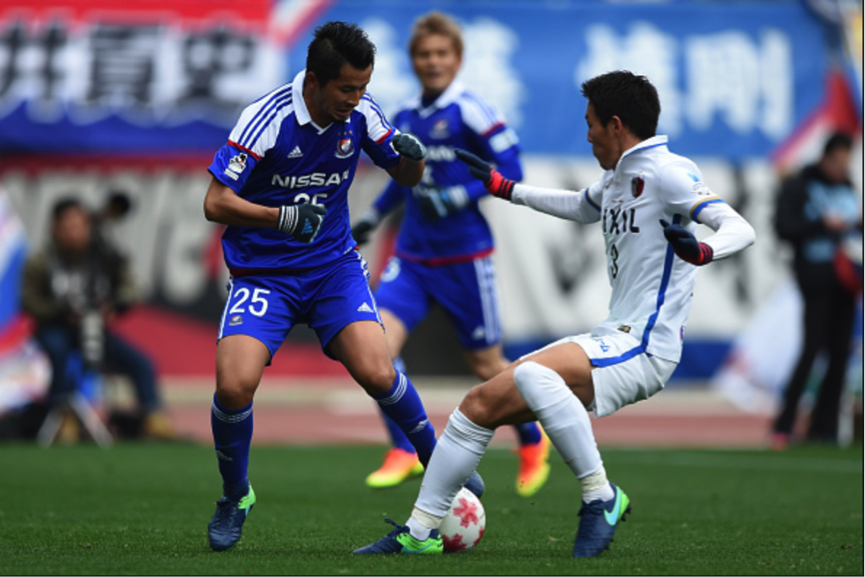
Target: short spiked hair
[(336, 44)]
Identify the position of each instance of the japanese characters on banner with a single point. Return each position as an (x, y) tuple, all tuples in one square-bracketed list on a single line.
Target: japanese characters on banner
[(133, 76), (146, 76)]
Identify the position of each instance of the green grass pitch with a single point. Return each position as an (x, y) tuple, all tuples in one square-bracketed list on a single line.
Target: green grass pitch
[(144, 508)]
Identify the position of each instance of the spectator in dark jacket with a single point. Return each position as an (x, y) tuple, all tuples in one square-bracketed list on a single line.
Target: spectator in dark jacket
[(73, 290), (816, 211)]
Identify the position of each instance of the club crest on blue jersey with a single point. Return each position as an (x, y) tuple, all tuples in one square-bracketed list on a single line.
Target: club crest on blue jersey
[(345, 144), (637, 185), (440, 129), (235, 320)]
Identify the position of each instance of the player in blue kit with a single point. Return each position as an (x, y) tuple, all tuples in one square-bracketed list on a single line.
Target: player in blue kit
[(281, 185), (443, 252)]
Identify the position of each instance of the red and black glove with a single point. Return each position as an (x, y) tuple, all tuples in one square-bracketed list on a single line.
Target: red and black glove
[(494, 182), (686, 246)]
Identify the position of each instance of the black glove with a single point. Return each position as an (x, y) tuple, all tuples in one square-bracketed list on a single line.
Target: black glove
[(494, 182), (439, 203), (409, 146), (686, 246), (363, 228), (302, 221)]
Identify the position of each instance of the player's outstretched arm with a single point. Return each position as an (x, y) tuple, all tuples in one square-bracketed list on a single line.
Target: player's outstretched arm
[(496, 184), (732, 234), (567, 204), (409, 170), (222, 205)]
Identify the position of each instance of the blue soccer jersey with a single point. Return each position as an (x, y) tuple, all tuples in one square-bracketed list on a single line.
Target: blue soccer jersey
[(458, 118), (276, 155)]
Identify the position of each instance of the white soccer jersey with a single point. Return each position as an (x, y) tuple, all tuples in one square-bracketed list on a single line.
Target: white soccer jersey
[(652, 287)]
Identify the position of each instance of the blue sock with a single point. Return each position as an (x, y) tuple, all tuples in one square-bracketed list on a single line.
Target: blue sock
[(232, 435), (529, 433), (397, 437), (402, 404)]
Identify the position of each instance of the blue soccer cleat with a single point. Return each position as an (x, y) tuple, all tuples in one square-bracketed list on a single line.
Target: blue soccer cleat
[(400, 541), (225, 527), (598, 523), (475, 484)]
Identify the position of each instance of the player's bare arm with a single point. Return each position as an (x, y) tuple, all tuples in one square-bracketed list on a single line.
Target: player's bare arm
[(301, 221), (223, 205), (409, 170)]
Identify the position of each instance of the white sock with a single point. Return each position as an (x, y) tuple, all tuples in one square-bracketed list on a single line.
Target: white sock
[(565, 420), (456, 456), (421, 523), (596, 486)]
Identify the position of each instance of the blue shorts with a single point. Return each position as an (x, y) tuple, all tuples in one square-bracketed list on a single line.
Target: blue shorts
[(327, 298), (466, 291)]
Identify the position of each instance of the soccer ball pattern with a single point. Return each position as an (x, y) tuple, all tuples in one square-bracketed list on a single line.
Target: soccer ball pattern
[(464, 524)]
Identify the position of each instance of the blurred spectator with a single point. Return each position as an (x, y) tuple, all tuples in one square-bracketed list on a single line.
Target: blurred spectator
[(73, 290), (115, 209), (816, 212)]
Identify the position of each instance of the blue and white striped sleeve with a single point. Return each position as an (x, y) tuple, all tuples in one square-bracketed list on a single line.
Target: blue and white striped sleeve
[(379, 133), (254, 134)]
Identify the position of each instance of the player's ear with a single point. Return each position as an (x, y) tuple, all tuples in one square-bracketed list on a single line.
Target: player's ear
[(311, 80), (618, 126)]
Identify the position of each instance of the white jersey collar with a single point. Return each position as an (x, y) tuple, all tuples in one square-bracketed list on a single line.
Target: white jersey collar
[(444, 99), (301, 112), (653, 142)]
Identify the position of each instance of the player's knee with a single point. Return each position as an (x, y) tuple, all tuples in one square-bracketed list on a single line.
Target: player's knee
[(377, 379), (539, 385), (233, 391), (476, 409), (233, 397)]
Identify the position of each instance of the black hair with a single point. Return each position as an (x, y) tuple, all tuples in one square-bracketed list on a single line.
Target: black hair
[(335, 44), (839, 140), (64, 204), (118, 203), (630, 97)]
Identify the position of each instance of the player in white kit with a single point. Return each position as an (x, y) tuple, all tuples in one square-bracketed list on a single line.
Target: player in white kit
[(648, 203)]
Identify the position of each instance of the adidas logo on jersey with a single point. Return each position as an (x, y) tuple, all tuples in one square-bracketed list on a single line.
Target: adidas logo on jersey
[(296, 153), (364, 308)]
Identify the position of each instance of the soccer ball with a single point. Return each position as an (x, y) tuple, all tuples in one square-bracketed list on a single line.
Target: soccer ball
[(464, 524)]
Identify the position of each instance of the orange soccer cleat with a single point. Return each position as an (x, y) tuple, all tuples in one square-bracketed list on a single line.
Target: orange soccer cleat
[(534, 466), (398, 466)]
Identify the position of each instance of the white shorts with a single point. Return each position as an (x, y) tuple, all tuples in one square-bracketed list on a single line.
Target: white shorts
[(623, 373)]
